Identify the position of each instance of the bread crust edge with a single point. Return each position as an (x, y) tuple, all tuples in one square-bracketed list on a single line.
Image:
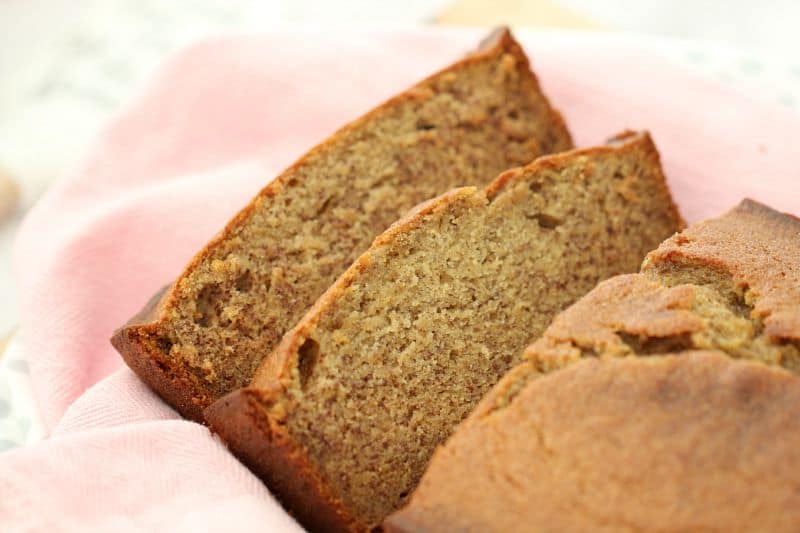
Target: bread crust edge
[(267, 449)]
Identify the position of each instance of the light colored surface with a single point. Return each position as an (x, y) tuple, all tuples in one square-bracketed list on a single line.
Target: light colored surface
[(19, 422), (765, 29), (528, 13), (9, 195)]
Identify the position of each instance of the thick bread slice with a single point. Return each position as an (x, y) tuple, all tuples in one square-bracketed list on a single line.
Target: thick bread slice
[(341, 419), (206, 334), (685, 439)]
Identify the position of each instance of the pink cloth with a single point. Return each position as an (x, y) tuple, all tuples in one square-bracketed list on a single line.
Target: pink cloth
[(216, 123)]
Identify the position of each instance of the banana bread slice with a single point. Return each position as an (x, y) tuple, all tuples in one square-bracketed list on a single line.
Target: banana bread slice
[(342, 418), (702, 434), (205, 334)]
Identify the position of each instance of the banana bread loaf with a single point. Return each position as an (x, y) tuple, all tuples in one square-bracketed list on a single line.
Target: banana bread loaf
[(703, 433), (342, 418), (672, 443), (205, 334)]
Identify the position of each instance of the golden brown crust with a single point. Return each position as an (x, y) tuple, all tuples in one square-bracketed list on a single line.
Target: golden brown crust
[(687, 442), (731, 283), (630, 304), (276, 371), (759, 248), (191, 393)]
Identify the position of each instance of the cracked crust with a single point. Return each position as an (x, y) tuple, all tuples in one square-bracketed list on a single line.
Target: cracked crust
[(730, 284), (682, 442), (759, 248)]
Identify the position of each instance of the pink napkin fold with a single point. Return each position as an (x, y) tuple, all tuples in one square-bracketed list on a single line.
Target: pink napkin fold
[(215, 124)]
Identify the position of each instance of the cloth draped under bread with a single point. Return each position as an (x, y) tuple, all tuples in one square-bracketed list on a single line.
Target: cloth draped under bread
[(214, 124)]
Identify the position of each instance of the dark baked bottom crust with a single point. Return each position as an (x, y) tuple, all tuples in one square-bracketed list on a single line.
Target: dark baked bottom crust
[(265, 447)]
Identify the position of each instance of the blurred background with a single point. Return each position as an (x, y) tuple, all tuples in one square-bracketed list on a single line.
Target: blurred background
[(66, 66)]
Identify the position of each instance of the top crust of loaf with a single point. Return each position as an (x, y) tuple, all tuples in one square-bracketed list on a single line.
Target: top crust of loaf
[(755, 245), (142, 342), (731, 284), (624, 444)]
